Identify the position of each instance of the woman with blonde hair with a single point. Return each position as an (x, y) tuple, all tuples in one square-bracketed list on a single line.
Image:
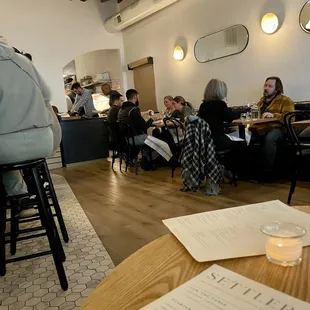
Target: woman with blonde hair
[(215, 112), (168, 102)]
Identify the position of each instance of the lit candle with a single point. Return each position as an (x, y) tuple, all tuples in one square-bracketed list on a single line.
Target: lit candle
[(283, 243), (284, 250)]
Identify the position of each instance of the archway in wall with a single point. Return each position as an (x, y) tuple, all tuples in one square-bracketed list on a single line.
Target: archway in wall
[(92, 70)]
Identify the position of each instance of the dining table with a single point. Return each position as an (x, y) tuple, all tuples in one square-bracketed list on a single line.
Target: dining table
[(304, 123), (243, 123), (165, 264)]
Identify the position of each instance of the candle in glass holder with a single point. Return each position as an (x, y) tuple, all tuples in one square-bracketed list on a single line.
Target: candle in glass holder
[(284, 243)]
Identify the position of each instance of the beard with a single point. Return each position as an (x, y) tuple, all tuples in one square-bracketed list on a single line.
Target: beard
[(266, 95)]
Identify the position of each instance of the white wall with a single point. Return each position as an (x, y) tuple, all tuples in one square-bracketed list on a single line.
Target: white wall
[(55, 32), (284, 54), (69, 69), (98, 62), (125, 3)]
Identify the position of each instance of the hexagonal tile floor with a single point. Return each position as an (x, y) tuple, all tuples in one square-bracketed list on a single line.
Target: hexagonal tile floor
[(33, 284)]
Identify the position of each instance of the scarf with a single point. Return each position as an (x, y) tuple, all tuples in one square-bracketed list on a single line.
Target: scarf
[(266, 103)]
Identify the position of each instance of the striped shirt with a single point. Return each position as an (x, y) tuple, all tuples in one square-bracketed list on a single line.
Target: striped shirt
[(84, 101)]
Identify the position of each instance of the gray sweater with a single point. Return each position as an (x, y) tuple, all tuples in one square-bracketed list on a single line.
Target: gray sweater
[(23, 94)]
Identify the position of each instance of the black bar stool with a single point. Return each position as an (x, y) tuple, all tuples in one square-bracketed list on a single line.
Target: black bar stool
[(46, 177), (39, 172)]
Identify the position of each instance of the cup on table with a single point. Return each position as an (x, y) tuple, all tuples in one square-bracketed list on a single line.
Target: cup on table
[(283, 243), (243, 117)]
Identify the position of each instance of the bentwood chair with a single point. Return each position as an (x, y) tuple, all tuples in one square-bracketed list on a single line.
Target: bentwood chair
[(131, 151), (300, 147), (176, 131), (117, 143)]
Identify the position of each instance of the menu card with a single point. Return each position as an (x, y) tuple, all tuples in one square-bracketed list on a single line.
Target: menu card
[(220, 289), (233, 232)]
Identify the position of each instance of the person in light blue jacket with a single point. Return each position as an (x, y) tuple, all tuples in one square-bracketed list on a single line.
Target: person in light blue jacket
[(28, 127)]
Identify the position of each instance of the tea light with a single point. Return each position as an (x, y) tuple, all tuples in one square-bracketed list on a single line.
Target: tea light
[(284, 243)]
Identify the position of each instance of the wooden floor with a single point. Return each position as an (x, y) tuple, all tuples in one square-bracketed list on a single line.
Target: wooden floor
[(127, 210)]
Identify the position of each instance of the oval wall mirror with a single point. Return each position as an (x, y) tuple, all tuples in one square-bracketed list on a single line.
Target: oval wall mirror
[(223, 43), (304, 17)]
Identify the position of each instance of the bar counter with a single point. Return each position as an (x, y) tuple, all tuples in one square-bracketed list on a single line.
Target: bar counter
[(83, 139)]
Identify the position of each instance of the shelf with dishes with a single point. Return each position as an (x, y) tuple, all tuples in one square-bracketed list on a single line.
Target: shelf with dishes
[(91, 85)]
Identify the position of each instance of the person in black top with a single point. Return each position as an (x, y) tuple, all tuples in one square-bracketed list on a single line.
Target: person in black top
[(130, 114), (215, 112), (107, 90), (116, 101)]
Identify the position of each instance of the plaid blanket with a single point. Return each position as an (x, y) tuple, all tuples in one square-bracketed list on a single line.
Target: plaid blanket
[(199, 157)]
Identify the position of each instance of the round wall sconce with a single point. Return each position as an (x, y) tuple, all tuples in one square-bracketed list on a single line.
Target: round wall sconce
[(270, 23), (178, 53)]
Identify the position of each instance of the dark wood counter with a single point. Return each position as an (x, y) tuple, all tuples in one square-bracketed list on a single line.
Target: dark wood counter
[(83, 139)]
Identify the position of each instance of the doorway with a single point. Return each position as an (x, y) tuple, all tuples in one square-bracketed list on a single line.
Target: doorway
[(144, 80)]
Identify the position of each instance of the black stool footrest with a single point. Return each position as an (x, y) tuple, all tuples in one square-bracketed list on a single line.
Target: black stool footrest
[(18, 259), (44, 200)]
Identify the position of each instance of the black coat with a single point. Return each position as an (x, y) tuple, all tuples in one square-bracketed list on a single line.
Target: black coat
[(215, 113), (130, 114)]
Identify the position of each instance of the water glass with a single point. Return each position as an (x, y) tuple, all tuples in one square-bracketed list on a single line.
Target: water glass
[(243, 117)]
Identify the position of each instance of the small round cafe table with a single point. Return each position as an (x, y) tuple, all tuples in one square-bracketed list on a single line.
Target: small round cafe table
[(165, 264)]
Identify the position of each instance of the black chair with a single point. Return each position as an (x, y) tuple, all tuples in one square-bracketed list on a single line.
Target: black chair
[(174, 126), (131, 151), (117, 143), (299, 147), (39, 173), (222, 154)]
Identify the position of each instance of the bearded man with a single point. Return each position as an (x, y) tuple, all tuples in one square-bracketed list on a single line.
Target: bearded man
[(272, 105)]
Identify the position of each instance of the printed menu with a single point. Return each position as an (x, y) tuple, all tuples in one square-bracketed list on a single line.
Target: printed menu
[(220, 289), (233, 232)]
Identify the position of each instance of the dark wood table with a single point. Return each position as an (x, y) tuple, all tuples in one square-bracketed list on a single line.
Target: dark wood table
[(243, 123), (304, 123)]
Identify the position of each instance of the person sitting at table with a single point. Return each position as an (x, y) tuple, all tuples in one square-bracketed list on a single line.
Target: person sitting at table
[(116, 101), (182, 100), (215, 112), (182, 108), (130, 114), (168, 102), (275, 105), (84, 103), (165, 134)]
